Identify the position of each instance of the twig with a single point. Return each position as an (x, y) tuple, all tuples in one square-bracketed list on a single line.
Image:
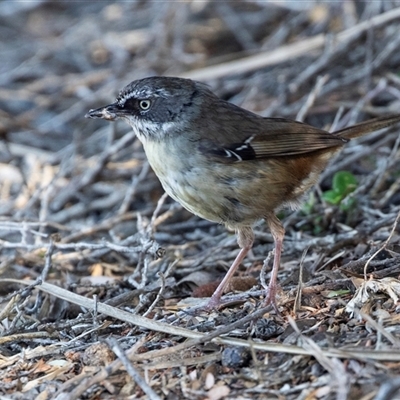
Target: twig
[(297, 301), (388, 389), (311, 97), (387, 241), (130, 193), (380, 329), (340, 381), (288, 52), (134, 374), (159, 294), (263, 271)]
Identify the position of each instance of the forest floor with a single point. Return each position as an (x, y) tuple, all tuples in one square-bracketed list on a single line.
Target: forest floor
[(101, 274)]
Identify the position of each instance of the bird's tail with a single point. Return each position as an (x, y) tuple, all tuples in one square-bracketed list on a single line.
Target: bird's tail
[(368, 126)]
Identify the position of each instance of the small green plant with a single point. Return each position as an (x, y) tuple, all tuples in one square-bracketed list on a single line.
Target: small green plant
[(343, 183), (336, 293), (308, 205)]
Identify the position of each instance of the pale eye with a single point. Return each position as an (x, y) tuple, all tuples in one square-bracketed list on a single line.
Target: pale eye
[(144, 104)]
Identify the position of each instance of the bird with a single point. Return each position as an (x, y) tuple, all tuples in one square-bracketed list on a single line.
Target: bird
[(226, 164)]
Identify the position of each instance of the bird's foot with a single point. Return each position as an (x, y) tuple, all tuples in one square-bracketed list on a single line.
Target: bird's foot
[(213, 304), (270, 298)]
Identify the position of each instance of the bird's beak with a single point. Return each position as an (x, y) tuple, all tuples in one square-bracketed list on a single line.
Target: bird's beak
[(110, 112)]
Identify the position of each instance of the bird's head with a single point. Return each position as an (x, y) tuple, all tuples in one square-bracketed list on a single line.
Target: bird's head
[(154, 105)]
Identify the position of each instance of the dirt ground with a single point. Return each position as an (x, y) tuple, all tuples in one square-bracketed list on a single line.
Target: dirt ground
[(101, 275)]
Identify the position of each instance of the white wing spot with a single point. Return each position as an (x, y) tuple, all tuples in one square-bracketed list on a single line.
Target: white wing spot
[(246, 143)]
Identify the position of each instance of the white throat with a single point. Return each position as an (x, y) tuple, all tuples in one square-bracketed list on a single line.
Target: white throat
[(150, 131)]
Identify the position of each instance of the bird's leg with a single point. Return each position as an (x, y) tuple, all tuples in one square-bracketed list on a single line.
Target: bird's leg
[(278, 233), (245, 238)]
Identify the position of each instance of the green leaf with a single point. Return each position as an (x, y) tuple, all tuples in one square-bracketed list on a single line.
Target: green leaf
[(337, 293), (332, 197), (343, 183)]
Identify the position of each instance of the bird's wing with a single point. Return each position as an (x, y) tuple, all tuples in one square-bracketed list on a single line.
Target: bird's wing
[(268, 138)]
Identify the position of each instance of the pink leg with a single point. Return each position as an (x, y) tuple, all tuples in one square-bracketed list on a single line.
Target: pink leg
[(245, 241), (278, 232)]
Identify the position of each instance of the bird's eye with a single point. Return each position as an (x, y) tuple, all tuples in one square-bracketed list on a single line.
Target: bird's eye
[(144, 104)]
